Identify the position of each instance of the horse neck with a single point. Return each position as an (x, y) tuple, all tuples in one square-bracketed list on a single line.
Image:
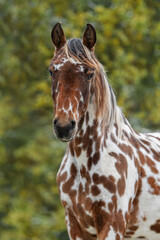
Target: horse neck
[(97, 134)]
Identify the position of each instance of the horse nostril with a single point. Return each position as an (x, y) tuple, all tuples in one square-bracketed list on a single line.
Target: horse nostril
[(73, 124), (55, 122)]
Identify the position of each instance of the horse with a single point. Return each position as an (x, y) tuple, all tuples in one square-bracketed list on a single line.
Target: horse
[(109, 180)]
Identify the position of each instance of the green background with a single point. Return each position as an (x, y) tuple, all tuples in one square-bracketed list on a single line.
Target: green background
[(128, 46)]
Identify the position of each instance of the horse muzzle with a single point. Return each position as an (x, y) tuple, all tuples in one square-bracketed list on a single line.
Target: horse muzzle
[(64, 132)]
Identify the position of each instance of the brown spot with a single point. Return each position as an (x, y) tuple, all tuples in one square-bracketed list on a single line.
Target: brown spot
[(129, 205), (108, 183), (61, 178), (144, 147), (95, 190), (133, 228), (69, 183), (75, 230), (87, 118), (144, 218), (143, 174), (120, 222), (156, 154), (89, 148), (78, 151), (89, 163), (92, 130), (151, 164), (110, 207), (126, 149), (111, 178), (80, 194), (80, 124), (125, 134), (81, 132), (141, 157), (96, 157), (121, 165), (122, 168), (95, 133), (86, 188), (124, 164), (155, 227), (155, 187), (73, 170), (88, 182), (86, 138), (129, 233), (98, 142), (78, 140), (71, 148), (113, 154), (130, 151), (78, 231), (88, 178), (104, 143), (83, 171), (118, 236), (84, 219), (121, 185), (135, 205), (102, 219), (95, 178), (113, 138), (142, 237), (145, 142), (134, 142), (119, 168)]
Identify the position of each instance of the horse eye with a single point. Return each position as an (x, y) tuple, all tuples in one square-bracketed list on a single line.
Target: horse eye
[(51, 73), (90, 76)]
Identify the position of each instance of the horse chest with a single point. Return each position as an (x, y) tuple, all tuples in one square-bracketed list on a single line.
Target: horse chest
[(74, 185), (83, 192)]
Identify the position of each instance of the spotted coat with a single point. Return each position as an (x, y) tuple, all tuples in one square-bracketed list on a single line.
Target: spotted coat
[(109, 179)]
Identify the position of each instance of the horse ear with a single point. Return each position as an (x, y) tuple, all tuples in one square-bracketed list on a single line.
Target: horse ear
[(89, 37), (57, 36)]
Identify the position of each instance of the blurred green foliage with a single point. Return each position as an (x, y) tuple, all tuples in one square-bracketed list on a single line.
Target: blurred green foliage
[(128, 46)]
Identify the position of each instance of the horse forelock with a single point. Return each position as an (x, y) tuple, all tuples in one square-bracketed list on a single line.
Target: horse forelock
[(75, 49)]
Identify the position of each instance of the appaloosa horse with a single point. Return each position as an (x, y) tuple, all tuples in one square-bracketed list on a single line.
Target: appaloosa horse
[(109, 179)]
